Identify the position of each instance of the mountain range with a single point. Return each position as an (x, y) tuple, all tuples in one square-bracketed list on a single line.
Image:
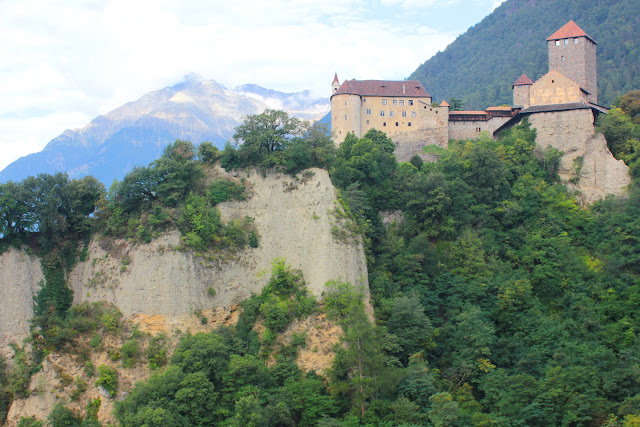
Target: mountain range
[(480, 66), (136, 133)]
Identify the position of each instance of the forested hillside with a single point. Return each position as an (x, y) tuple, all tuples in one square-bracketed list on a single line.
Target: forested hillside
[(480, 66), (498, 299)]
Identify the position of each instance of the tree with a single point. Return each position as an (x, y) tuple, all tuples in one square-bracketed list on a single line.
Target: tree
[(409, 323), (208, 153), (456, 104), (262, 134), (630, 104)]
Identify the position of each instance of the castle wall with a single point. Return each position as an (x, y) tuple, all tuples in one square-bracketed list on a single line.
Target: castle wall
[(576, 59), (430, 127), (555, 88), (472, 129)]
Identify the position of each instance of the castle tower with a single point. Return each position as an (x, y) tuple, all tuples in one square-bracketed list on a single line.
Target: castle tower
[(522, 91), (573, 53), (335, 85)]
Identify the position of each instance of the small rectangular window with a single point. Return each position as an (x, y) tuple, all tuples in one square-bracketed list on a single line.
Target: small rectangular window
[(384, 101), (364, 99), (392, 113), (409, 124), (396, 123), (404, 114), (384, 123), (369, 111), (395, 102), (566, 41), (575, 41), (401, 102), (367, 121), (413, 114), (345, 117), (346, 103), (557, 42), (411, 102), (381, 113)]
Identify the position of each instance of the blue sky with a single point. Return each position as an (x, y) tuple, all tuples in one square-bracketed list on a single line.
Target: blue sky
[(65, 62)]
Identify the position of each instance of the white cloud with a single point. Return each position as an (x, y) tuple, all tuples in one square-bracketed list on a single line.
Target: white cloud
[(66, 62)]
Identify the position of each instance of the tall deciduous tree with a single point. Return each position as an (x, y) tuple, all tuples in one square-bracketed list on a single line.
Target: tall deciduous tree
[(262, 134)]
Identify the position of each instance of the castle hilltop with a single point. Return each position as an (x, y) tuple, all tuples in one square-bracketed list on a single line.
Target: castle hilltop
[(562, 106)]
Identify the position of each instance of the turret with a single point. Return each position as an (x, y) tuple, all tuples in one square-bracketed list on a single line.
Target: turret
[(335, 85), (522, 91)]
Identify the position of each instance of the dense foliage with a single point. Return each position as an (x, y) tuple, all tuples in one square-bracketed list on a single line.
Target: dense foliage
[(498, 300), (480, 66)]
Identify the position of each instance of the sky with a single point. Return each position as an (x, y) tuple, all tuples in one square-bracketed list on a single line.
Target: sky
[(62, 63)]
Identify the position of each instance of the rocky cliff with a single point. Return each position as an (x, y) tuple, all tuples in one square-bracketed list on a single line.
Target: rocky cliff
[(587, 164), (292, 217), (160, 287)]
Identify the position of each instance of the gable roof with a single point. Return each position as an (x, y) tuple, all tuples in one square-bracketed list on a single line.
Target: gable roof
[(411, 88), (445, 104), (569, 30), (522, 80), (335, 79)]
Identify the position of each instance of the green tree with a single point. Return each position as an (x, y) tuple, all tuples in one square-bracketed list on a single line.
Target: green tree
[(264, 133), (208, 153)]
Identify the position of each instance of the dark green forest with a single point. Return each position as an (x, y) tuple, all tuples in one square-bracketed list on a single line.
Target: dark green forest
[(498, 299), (480, 66)]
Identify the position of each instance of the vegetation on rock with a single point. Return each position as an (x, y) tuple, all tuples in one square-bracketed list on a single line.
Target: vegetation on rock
[(498, 300)]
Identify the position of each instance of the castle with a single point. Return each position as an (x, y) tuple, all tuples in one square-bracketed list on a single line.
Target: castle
[(405, 112)]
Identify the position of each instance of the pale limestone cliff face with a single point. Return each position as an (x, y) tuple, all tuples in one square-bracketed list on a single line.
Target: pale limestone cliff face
[(20, 275), (160, 288), (292, 219), (159, 285), (573, 133)]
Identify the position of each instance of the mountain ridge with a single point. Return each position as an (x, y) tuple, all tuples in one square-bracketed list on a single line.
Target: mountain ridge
[(480, 66), (136, 133)]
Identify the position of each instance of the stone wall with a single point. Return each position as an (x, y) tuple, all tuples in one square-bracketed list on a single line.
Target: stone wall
[(555, 88), (577, 61), (473, 129)]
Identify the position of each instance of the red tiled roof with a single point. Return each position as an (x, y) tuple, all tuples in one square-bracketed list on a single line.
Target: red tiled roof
[(445, 104), (523, 80), (569, 30), (412, 88), (468, 112), (335, 79), (498, 109)]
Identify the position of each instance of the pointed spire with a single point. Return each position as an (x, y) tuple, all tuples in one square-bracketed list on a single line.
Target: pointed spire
[(568, 31), (335, 79), (445, 104), (522, 80)]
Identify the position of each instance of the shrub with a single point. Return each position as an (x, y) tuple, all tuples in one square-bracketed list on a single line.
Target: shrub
[(108, 379), (30, 422), (157, 351), (130, 353), (222, 189)]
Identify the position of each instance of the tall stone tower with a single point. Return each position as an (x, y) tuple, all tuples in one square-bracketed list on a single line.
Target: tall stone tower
[(573, 53), (522, 91)]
